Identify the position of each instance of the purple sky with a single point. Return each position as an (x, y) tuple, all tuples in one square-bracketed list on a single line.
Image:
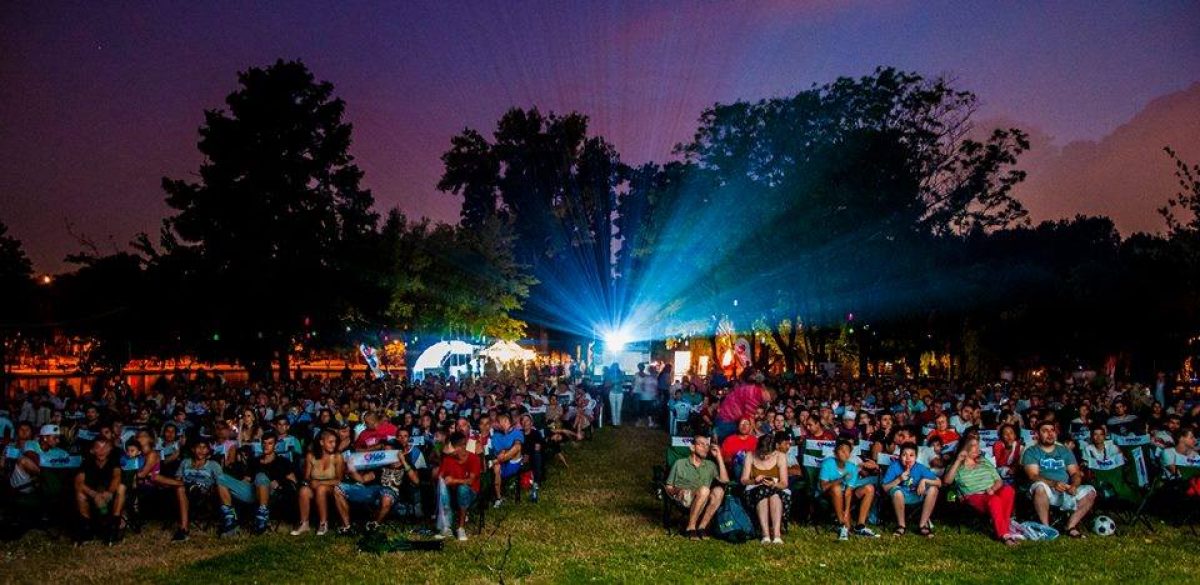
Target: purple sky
[(99, 100)]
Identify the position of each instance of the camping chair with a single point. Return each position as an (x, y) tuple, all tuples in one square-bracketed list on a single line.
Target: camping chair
[(1171, 493), (1117, 489), (819, 507), (680, 448), (1138, 474)]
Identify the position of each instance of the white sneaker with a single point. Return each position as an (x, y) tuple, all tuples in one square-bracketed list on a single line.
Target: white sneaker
[(461, 535), (323, 529), (866, 532), (776, 540), (301, 529), (843, 533), (444, 534), (496, 504), (766, 540)]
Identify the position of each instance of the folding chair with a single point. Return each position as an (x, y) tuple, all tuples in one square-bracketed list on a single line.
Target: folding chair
[(1116, 489), (818, 506), (1169, 493), (680, 448), (1138, 474)]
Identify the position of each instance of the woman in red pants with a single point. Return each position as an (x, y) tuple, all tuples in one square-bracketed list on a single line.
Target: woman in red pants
[(982, 489)]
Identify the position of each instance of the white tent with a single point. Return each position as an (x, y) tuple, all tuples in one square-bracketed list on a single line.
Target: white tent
[(449, 356), (508, 351)]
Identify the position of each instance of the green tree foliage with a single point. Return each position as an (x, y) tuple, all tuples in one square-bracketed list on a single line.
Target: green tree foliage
[(849, 185), (454, 280)]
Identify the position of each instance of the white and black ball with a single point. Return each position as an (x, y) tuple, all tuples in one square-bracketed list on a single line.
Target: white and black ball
[(1104, 526)]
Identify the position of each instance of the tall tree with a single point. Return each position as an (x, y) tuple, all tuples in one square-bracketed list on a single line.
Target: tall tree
[(454, 280), (829, 200), (15, 273), (273, 231), (556, 185)]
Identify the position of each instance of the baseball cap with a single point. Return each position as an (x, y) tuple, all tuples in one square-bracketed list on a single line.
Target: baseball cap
[(49, 430)]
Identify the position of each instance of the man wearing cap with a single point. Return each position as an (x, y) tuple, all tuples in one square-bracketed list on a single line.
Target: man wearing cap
[(28, 468)]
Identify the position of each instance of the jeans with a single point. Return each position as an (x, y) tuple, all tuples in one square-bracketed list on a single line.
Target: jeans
[(371, 495), (243, 491), (615, 399), (452, 501)]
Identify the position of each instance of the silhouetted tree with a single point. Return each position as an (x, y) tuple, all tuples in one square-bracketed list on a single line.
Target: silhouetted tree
[(270, 238), (15, 280), (555, 185)]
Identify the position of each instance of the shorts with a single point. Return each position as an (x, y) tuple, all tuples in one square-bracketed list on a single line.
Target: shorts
[(508, 470), (464, 496), (910, 498), (371, 495), (1063, 500), (243, 491), (647, 407), (684, 497)]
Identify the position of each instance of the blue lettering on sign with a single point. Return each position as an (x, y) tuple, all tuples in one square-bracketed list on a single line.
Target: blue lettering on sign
[(374, 457)]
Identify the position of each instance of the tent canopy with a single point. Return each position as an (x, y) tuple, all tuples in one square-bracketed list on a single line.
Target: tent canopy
[(508, 351)]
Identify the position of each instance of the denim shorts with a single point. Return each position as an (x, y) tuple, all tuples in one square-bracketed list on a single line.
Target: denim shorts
[(357, 493), (910, 498), (464, 494)]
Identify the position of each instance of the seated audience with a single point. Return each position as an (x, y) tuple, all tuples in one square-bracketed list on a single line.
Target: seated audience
[(765, 475), (839, 481), (323, 470), (982, 488), (458, 476), (909, 483), (1056, 480), (691, 484), (99, 493)]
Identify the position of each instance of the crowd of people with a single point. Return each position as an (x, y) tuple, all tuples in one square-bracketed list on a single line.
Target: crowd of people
[(354, 452), (359, 452), (866, 449)]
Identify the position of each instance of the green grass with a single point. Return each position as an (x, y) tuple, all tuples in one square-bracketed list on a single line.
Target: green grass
[(598, 522)]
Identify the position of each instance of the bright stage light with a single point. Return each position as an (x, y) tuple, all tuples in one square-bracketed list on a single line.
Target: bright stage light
[(616, 340)]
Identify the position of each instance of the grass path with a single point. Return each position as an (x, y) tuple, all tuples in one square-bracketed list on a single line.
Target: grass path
[(598, 522)]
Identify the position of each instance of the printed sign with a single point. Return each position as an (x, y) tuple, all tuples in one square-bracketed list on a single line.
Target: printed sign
[(372, 459)]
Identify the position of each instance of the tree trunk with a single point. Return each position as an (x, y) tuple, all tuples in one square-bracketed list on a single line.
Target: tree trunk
[(285, 362)]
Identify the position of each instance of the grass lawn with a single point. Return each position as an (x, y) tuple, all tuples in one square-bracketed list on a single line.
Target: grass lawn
[(598, 522)]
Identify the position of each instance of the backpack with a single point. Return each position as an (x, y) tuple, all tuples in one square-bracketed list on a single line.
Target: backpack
[(732, 523)]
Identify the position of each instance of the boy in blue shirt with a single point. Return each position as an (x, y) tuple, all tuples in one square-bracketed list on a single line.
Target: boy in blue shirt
[(839, 480), (908, 482), (506, 444)]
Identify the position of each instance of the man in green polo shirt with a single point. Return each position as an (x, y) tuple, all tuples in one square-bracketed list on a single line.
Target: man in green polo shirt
[(690, 484)]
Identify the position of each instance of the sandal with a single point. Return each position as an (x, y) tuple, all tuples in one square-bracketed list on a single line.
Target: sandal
[(692, 534), (899, 531), (926, 531), (1076, 533)]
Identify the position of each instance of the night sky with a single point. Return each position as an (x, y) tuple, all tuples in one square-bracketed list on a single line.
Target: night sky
[(100, 100)]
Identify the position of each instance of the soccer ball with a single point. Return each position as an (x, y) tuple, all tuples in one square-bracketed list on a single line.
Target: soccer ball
[(1104, 526)]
